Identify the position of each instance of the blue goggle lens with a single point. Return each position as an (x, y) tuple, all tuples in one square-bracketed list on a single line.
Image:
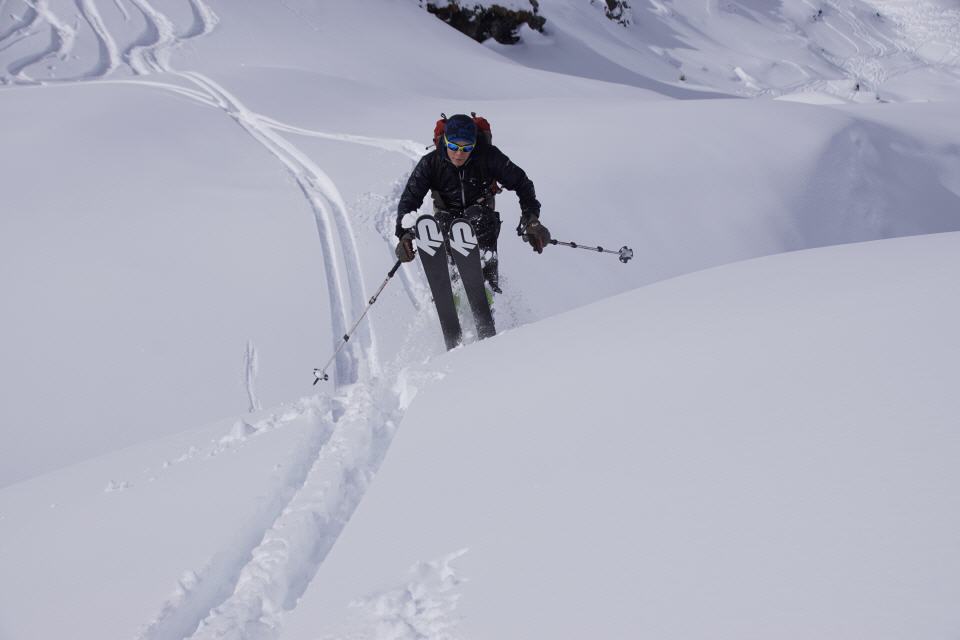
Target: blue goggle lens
[(466, 148)]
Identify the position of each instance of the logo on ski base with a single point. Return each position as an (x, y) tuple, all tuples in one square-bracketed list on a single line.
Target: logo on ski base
[(462, 237), (429, 238)]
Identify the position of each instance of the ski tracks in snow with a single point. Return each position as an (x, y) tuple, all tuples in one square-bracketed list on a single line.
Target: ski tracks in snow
[(331, 216), (291, 551), (930, 31), (201, 590), (244, 589), (62, 38), (149, 54), (890, 37), (244, 592), (109, 51)]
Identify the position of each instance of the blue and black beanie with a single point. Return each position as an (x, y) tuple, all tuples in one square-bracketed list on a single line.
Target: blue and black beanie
[(461, 128)]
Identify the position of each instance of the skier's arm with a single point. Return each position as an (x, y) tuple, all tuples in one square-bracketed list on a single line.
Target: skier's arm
[(416, 190), (514, 178)]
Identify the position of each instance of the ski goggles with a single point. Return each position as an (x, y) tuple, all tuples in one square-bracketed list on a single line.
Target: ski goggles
[(453, 146)]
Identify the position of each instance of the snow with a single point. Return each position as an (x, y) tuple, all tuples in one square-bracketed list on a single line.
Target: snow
[(199, 201), (759, 450)]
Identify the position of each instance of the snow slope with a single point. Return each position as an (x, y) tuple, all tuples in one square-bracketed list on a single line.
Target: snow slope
[(171, 237), (760, 450), (832, 51), (198, 199)]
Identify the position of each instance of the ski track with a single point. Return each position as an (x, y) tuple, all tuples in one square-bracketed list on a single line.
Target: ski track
[(109, 51), (62, 38), (21, 24), (919, 25), (862, 46), (21, 35), (122, 9), (411, 149), (922, 24), (204, 21), (326, 203), (193, 94), (198, 592), (293, 548), (149, 53), (245, 587), (152, 52)]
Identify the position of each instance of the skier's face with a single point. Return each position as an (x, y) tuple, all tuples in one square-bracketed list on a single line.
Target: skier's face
[(458, 153), (458, 158)]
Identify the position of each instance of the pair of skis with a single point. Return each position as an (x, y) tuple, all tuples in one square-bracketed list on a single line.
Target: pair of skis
[(463, 247)]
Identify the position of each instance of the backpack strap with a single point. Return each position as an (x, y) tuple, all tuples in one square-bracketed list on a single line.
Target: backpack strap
[(438, 130), (483, 128)]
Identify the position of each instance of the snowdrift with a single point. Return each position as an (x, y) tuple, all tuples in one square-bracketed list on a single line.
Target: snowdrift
[(760, 450)]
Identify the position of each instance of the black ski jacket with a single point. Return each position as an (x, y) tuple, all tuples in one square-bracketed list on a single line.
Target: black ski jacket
[(456, 189)]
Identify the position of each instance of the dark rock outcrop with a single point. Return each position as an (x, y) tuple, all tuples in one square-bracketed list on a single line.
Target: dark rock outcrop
[(618, 11), (491, 21)]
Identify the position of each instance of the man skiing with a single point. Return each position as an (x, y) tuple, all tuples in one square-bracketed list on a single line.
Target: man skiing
[(463, 172)]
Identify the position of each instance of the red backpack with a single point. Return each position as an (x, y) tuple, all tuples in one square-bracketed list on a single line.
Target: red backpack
[(483, 129)]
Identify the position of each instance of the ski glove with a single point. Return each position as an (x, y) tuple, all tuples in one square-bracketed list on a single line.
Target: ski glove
[(405, 251), (536, 234)]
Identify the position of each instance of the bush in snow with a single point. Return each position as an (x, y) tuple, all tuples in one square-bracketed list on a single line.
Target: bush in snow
[(618, 11), (482, 19)]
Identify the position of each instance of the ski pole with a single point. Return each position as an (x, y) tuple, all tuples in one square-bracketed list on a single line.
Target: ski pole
[(625, 252), (321, 374)]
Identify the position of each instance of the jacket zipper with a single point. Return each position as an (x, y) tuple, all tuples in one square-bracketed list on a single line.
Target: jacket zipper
[(463, 192)]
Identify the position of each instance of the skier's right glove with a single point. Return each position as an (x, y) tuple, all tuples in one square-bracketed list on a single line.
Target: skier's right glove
[(536, 234), (405, 250)]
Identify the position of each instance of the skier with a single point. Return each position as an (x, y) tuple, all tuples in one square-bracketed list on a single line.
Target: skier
[(462, 172)]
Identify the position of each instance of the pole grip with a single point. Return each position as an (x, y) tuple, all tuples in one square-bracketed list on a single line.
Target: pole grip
[(393, 271)]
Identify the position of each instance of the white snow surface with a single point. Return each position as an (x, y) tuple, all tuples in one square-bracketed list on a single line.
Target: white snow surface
[(747, 431), (770, 454)]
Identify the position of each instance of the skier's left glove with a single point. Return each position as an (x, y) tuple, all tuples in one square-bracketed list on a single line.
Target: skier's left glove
[(405, 251), (536, 234)]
